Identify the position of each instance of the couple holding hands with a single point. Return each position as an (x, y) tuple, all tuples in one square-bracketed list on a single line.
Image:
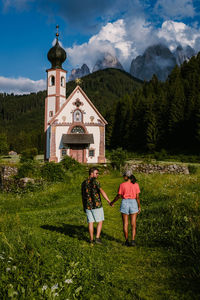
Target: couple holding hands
[(130, 206)]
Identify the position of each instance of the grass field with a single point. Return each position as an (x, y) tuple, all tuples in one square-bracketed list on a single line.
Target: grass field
[(45, 254)]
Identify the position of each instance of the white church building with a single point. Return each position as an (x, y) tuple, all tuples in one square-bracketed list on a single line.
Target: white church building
[(73, 125)]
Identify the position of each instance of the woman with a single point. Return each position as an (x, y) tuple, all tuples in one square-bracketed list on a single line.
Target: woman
[(129, 192)]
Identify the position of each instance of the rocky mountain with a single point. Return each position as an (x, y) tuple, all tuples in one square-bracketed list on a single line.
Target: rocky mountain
[(80, 72), (107, 61), (159, 60), (183, 54)]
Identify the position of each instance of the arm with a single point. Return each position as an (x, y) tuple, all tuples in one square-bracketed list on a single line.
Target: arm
[(104, 195), (115, 199), (138, 202)]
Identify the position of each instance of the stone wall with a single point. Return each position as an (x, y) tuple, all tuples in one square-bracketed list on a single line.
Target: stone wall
[(156, 168), (6, 177)]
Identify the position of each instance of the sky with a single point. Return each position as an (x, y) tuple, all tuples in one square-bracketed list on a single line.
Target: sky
[(87, 29)]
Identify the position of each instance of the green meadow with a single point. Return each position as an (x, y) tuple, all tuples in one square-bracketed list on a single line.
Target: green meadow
[(45, 254)]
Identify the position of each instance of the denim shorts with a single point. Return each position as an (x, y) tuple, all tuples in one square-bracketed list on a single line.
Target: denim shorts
[(129, 206), (95, 215)]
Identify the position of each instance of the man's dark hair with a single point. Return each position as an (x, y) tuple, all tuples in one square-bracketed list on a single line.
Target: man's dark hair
[(91, 170)]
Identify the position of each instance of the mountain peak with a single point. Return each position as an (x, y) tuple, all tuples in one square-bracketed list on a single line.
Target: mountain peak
[(107, 61), (159, 60), (79, 72)]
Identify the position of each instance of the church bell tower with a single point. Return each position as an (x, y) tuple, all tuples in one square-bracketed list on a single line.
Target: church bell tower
[(56, 85)]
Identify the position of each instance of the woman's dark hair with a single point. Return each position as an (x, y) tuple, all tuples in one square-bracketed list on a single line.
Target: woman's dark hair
[(133, 179)]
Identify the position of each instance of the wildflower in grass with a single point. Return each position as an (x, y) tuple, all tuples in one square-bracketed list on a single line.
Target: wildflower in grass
[(44, 287), (14, 268), (10, 258), (56, 295), (8, 269), (1, 257), (68, 281), (54, 287)]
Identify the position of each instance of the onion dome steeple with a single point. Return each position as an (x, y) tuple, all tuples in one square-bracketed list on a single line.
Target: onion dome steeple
[(56, 54)]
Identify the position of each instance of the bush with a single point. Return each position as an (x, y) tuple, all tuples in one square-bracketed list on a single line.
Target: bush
[(28, 154), (192, 169), (117, 158), (28, 169), (70, 163), (53, 172), (162, 155)]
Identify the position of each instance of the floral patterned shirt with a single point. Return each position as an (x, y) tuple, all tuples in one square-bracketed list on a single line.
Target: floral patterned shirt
[(91, 194)]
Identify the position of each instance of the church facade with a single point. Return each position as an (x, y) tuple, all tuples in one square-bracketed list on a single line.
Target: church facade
[(73, 125)]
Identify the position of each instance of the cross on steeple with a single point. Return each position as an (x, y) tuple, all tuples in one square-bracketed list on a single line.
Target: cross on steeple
[(57, 33)]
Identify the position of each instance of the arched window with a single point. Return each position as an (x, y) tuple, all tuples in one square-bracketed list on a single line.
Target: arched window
[(77, 116), (52, 80), (78, 129), (62, 81)]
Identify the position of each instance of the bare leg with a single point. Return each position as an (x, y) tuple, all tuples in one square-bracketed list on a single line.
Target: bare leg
[(125, 225), (133, 225), (91, 230), (99, 227)]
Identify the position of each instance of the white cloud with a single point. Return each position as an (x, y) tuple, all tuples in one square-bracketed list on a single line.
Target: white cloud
[(18, 4), (174, 8), (118, 38), (21, 85), (129, 38), (175, 33)]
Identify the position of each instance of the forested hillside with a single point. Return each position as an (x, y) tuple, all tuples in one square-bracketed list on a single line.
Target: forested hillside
[(141, 116)]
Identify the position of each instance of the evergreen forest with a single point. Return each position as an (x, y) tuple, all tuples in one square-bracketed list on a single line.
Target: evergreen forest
[(142, 116)]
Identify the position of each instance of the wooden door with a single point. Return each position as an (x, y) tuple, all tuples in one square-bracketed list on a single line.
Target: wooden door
[(77, 152)]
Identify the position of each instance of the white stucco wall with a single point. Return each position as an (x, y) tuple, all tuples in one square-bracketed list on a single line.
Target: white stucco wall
[(60, 130), (51, 107), (88, 111)]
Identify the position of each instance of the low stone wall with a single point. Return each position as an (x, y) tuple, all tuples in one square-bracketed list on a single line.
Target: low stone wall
[(156, 168), (6, 177)]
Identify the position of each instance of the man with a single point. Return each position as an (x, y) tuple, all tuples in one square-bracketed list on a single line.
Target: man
[(92, 204)]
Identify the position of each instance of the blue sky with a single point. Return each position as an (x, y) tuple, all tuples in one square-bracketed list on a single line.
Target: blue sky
[(87, 30)]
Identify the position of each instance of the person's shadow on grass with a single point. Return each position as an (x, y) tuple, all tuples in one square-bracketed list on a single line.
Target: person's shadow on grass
[(77, 231)]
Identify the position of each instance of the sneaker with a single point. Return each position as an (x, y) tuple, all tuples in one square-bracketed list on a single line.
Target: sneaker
[(91, 242), (133, 243), (126, 243), (98, 241)]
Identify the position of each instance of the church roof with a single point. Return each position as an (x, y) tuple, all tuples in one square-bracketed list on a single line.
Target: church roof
[(77, 138)]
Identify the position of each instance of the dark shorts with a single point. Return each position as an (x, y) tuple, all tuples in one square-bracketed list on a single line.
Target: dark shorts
[(129, 206)]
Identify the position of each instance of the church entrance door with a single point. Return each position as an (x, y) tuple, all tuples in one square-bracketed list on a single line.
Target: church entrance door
[(77, 152)]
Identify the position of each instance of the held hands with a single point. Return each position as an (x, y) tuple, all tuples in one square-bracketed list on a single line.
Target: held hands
[(110, 203)]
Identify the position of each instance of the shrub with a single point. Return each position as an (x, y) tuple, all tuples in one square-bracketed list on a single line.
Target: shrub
[(162, 155), (53, 172), (117, 158), (28, 154), (70, 163), (192, 169), (28, 169)]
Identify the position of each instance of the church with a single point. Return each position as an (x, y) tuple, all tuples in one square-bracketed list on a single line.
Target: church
[(73, 125)]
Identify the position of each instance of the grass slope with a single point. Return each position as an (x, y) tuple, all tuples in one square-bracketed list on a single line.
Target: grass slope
[(44, 250)]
